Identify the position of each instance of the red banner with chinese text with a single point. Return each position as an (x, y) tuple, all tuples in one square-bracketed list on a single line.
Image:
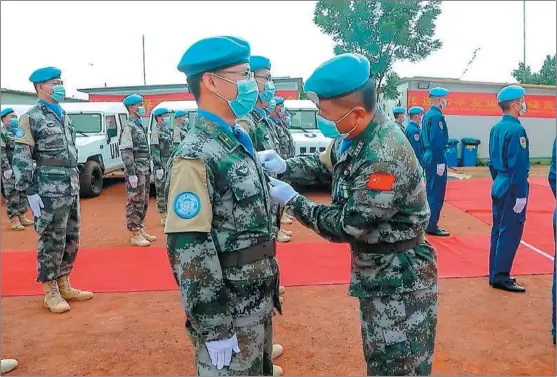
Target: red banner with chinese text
[(484, 104)]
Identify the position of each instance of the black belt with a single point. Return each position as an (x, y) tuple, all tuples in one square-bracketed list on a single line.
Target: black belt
[(56, 162), (252, 254), (386, 248), (141, 155)]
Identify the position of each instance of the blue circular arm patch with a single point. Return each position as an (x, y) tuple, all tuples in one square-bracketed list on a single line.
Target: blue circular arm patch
[(19, 132), (187, 205)]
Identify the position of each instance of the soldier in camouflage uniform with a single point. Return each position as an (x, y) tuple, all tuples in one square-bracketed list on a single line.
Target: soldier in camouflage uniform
[(46, 135), (219, 226), (379, 207), (181, 127), (16, 201), (398, 113), (161, 149), (134, 148)]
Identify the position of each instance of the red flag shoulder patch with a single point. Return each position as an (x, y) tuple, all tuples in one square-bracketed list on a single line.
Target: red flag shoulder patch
[(381, 182)]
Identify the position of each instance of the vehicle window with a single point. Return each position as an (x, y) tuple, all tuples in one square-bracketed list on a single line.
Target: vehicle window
[(110, 121), (88, 123), (123, 118), (303, 119)]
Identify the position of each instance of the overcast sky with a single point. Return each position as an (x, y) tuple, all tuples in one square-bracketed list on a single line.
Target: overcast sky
[(98, 42)]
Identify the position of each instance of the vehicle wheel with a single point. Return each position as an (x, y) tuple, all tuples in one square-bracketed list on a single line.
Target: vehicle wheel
[(91, 180)]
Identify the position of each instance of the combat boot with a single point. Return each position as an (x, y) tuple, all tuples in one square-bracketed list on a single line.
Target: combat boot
[(25, 221), (285, 219), (52, 298), (138, 240), (277, 351), (7, 365), (282, 237), (16, 224), (163, 219), (277, 371), (70, 293), (147, 236)]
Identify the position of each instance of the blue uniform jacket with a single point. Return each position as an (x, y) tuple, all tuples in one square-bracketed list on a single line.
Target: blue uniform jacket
[(509, 158), (435, 137), (412, 133), (552, 174)]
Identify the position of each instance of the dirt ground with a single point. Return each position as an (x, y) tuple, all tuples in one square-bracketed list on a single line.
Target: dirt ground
[(481, 331)]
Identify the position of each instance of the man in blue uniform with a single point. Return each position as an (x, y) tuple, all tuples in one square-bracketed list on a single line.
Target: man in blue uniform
[(413, 130), (398, 113), (435, 137), (509, 164), (552, 177)]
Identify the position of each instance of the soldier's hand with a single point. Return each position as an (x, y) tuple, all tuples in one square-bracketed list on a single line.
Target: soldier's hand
[(220, 351), (281, 192), (132, 179), (440, 169), (519, 205), (272, 162), (36, 203), (8, 173), (159, 173)]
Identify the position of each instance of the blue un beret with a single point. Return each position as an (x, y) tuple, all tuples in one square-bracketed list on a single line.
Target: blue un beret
[(180, 113), (279, 100), (438, 92), (160, 111), (338, 76), (510, 93), (415, 110), (211, 53), (399, 110), (132, 99), (45, 74), (257, 62), (6, 111)]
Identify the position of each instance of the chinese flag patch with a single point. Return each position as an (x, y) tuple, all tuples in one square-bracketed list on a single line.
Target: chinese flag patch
[(381, 182)]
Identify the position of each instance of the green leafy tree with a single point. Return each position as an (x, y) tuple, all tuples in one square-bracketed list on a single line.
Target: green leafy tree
[(546, 76), (383, 31)]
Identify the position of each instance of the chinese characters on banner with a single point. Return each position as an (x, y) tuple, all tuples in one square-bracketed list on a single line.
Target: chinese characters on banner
[(484, 104)]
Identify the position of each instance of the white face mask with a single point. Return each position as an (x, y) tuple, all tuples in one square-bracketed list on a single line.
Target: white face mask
[(443, 103), (522, 110)]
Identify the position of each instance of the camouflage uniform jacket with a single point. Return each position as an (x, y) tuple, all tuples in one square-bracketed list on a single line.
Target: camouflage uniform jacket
[(260, 130), (378, 196), (287, 147), (161, 146), (42, 136), (8, 146), (223, 190), (134, 147), (178, 135)]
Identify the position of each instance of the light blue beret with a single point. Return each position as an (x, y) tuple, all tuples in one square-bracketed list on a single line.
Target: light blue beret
[(257, 62), (132, 99), (338, 76), (510, 93), (211, 53), (6, 111), (415, 110), (399, 110), (279, 100), (45, 74), (438, 92), (180, 113), (160, 111)]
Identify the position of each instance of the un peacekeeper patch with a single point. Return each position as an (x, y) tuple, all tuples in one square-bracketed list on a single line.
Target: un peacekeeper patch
[(441, 125), (523, 142), (19, 132), (416, 137), (187, 205), (381, 182), (23, 132)]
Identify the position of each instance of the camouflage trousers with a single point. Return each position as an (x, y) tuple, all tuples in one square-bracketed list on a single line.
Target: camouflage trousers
[(58, 237), (137, 202), (16, 201), (398, 333), (161, 197), (255, 358)]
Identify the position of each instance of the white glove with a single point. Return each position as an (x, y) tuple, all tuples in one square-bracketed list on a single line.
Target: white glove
[(440, 169), (36, 203), (272, 162), (159, 173), (8, 173), (281, 192), (220, 351), (519, 205), (132, 179)]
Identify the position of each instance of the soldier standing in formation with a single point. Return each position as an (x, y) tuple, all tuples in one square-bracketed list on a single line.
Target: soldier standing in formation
[(16, 201), (181, 127), (379, 207), (46, 135), (134, 148), (161, 149), (413, 131), (398, 113)]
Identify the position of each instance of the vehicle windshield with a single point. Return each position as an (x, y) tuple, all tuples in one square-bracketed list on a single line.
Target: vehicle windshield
[(303, 119), (87, 123)]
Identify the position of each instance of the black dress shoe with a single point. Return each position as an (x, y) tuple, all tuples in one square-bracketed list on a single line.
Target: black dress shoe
[(513, 279), (439, 233), (509, 286)]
